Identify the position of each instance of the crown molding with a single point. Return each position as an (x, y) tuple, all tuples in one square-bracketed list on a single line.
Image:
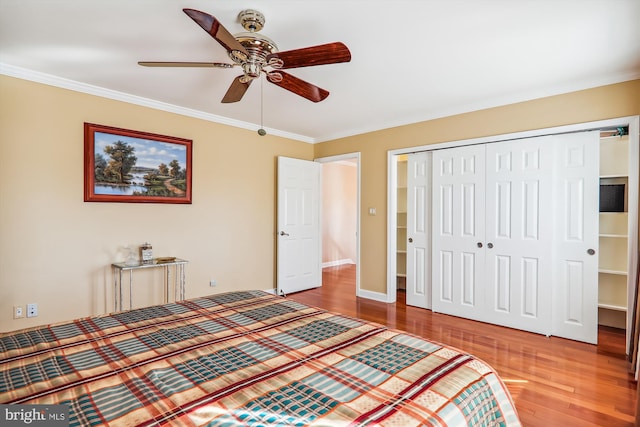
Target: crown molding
[(51, 80)]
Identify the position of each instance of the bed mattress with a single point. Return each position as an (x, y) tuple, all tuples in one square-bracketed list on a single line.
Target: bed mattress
[(247, 359)]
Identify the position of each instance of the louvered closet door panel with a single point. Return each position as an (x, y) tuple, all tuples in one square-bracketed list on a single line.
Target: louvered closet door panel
[(458, 264), (576, 274), (519, 234)]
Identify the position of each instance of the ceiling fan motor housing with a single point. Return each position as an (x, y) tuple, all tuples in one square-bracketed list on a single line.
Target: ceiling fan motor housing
[(251, 20), (258, 47)]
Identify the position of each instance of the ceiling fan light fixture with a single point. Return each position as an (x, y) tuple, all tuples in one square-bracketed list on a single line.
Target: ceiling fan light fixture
[(252, 69)]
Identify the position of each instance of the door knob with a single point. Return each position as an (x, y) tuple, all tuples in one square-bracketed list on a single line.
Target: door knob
[(282, 233), (479, 244), (410, 240), (490, 245), (591, 251)]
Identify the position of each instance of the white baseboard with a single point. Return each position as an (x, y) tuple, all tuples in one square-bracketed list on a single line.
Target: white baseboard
[(338, 262), (376, 296)]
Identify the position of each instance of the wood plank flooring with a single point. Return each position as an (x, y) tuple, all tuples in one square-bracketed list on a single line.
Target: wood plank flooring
[(554, 381)]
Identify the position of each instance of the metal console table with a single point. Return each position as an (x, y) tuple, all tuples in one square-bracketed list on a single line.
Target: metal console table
[(179, 279)]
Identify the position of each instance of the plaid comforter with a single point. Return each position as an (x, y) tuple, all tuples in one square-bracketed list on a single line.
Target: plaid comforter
[(248, 359)]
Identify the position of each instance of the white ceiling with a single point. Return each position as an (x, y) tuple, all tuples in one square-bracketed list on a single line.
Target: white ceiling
[(411, 60)]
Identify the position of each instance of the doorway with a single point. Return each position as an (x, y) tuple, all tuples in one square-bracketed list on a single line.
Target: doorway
[(340, 213)]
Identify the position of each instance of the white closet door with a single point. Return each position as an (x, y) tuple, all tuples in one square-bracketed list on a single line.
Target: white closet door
[(519, 234), (458, 284), (517, 244), (575, 300), (419, 230)]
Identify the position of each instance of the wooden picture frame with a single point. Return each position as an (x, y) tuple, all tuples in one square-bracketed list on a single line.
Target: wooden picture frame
[(128, 166)]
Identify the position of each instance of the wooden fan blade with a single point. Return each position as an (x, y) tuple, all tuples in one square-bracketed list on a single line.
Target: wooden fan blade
[(330, 53), (215, 29), (186, 64), (236, 90), (300, 87)]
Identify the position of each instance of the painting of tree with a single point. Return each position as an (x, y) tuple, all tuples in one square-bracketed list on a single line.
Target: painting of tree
[(130, 166)]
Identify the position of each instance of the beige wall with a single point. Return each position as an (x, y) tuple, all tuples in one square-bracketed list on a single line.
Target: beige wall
[(601, 103), (339, 212), (56, 250)]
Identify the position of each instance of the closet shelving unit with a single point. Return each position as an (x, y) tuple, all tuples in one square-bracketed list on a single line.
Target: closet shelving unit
[(613, 261), (401, 244)]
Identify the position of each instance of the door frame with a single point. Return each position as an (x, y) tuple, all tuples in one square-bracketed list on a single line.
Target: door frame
[(336, 158), (633, 122)]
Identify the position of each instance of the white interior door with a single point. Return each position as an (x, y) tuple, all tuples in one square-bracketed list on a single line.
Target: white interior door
[(299, 245), (519, 233), (419, 230), (458, 258), (575, 300)]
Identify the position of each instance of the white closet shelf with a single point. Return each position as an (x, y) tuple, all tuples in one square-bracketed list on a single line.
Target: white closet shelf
[(617, 272), (612, 307), (615, 236), (615, 175)]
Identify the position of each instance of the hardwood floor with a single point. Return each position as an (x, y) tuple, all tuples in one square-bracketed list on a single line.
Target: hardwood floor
[(553, 381)]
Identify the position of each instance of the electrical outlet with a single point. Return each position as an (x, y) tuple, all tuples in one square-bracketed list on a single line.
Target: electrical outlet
[(18, 312), (213, 282), (32, 309)]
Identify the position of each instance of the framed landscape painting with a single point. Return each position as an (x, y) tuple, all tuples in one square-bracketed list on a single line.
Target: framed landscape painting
[(123, 165)]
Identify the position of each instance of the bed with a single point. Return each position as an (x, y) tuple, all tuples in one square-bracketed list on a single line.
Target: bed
[(247, 359)]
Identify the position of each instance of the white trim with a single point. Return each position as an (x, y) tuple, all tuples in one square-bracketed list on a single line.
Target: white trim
[(632, 201), (376, 296), (574, 85), (341, 158), (392, 224), (634, 136), (490, 102), (51, 80), (338, 263), (578, 127), (346, 163)]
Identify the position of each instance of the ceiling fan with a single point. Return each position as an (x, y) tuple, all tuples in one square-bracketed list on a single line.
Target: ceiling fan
[(257, 54)]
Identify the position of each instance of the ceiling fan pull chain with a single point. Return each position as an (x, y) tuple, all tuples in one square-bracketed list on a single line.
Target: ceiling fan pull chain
[(261, 131)]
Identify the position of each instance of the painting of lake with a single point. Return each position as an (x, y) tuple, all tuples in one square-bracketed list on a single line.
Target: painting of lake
[(128, 166)]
